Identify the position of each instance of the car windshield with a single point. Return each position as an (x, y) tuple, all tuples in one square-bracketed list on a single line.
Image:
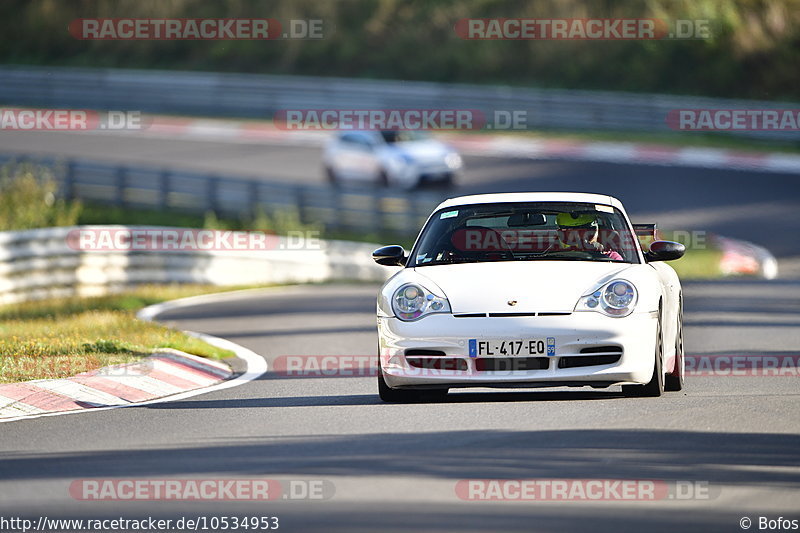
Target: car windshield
[(392, 136), (566, 231)]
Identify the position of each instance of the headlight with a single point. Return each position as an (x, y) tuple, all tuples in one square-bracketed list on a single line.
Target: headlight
[(411, 302), (452, 160), (615, 298)]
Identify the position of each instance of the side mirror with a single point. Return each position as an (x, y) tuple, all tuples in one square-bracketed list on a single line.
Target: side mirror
[(393, 255), (665, 251)]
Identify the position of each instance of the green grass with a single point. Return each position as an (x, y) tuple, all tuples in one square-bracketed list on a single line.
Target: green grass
[(66, 336), (130, 300), (99, 214), (698, 264)]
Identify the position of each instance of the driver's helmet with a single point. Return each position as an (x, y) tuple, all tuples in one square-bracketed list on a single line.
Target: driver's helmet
[(576, 228)]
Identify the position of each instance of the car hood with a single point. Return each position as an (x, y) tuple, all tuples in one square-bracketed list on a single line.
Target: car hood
[(536, 286)]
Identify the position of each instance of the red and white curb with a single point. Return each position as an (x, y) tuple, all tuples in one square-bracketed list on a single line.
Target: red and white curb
[(232, 131), (163, 374), (623, 152), (167, 375)]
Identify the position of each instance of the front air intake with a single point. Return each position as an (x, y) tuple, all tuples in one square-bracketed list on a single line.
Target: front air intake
[(422, 352), (577, 361), (602, 349), (437, 363)]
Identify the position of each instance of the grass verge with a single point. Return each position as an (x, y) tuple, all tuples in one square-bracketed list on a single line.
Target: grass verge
[(698, 264), (62, 337)]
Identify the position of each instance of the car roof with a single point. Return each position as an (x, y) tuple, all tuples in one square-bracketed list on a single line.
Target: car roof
[(532, 197)]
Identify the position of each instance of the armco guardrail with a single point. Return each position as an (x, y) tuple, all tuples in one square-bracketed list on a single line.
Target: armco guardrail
[(41, 263), (260, 96), (360, 210), (46, 262)]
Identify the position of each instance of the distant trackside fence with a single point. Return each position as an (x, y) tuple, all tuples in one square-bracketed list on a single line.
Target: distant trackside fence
[(261, 96), (363, 210)]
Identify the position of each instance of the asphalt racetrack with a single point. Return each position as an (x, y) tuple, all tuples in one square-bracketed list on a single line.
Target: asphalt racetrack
[(734, 441), (396, 467)]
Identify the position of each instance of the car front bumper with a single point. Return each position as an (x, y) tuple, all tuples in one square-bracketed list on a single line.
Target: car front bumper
[(578, 336), (426, 173)]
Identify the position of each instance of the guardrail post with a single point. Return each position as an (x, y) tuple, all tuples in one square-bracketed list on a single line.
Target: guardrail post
[(378, 220), (300, 203), (336, 205), (254, 197), (69, 180), (212, 190), (119, 178)]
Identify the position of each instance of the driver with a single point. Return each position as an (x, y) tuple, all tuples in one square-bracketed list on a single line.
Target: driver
[(580, 233)]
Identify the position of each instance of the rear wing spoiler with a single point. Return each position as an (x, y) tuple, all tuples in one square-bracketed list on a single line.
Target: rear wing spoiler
[(646, 230)]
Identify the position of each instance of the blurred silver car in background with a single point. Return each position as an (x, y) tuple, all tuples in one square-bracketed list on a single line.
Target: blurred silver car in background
[(404, 159)]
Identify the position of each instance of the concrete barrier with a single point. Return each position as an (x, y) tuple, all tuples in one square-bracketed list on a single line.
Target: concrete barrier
[(43, 263)]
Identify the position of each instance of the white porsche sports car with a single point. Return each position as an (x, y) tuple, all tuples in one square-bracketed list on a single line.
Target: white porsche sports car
[(404, 159), (530, 290)]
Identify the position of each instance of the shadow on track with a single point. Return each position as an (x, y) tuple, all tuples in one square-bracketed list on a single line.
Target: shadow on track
[(768, 459), (372, 399)]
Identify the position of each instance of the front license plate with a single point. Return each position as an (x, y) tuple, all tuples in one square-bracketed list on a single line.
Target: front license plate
[(512, 347)]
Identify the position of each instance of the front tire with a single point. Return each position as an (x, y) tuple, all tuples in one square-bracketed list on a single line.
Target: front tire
[(675, 380), (655, 387), (383, 179), (333, 178), (390, 395)]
